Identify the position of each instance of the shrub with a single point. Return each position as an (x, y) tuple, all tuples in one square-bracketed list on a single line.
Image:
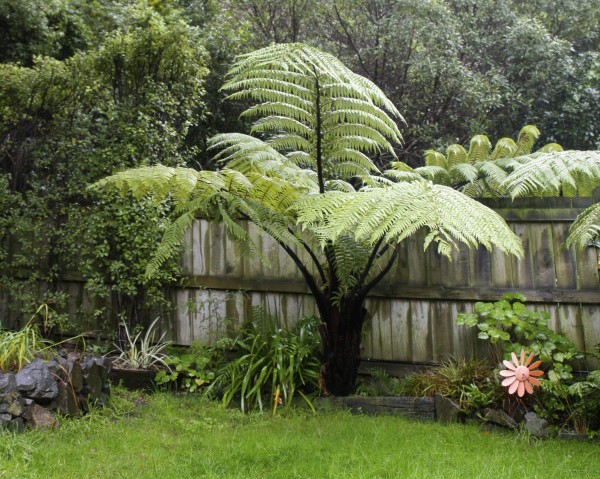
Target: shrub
[(510, 324), (273, 363)]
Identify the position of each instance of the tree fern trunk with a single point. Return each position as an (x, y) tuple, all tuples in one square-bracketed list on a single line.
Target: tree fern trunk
[(341, 331)]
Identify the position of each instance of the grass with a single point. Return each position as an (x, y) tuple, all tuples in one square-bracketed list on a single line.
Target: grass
[(189, 437)]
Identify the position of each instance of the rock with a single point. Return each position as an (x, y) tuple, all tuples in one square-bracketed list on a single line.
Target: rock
[(12, 404), (66, 402), (37, 380), (446, 410), (75, 375), (537, 426), (40, 418), (500, 418), (7, 383), (92, 380)]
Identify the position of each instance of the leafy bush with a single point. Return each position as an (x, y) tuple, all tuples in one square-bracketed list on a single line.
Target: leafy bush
[(195, 367), (510, 324), (274, 363)]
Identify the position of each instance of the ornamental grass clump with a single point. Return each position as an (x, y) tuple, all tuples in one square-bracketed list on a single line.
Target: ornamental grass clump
[(18, 348), (274, 364), (142, 352)]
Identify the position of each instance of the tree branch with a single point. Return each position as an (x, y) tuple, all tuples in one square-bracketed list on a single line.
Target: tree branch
[(382, 273), (313, 257), (374, 255)]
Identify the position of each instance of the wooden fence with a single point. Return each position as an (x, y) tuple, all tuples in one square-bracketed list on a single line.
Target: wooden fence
[(413, 311)]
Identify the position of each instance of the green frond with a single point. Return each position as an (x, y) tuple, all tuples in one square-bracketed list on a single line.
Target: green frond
[(463, 173), (289, 142), (170, 244), (347, 155), (281, 123), (456, 154), (479, 148), (399, 211), (434, 158), (552, 173), (494, 174), (304, 94), (349, 258), (356, 130), (586, 228), (279, 109), (505, 148), (437, 174), (527, 138), (159, 182), (339, 185), (550, 148), (402, 172)]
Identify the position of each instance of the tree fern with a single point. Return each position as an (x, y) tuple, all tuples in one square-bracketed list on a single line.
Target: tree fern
[(310, 180)]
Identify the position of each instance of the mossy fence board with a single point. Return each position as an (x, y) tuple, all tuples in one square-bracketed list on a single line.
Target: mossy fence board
[(413, 311)]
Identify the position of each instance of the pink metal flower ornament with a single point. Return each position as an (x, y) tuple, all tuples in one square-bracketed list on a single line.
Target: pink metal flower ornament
[(520, 374)]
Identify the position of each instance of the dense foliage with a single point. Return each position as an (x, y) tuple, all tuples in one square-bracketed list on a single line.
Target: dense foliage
[(130, 102)]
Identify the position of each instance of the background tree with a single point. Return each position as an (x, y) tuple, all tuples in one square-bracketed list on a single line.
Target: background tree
[(459, 68), (65, 123), (309, 182)]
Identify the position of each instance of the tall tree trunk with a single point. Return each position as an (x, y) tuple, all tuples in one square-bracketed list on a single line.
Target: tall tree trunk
[(341, 331)]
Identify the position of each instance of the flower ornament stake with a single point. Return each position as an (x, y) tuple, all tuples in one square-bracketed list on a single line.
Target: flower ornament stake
[(520, 374)]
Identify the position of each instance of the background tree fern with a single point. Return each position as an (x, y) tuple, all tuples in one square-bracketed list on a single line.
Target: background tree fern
[(478, 172), (307, 178)]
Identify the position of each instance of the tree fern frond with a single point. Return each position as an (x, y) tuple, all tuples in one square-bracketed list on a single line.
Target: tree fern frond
[(586, 228), (274, 109), (463, 173), (339, 185), (550, 173), (456, 154), (479, 148), (505, 148), (434, 158), (527, 138), (281, 123), (437, 174), (399, 211), (550, 148), (170, 244)]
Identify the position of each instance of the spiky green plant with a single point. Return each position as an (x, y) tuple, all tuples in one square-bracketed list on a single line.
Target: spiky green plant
[(310, 181)]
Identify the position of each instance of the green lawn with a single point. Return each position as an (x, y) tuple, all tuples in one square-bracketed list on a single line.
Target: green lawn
[(188, 437)]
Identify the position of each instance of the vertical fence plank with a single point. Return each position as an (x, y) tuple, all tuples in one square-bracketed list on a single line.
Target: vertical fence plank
[(542, 255), (564, 258), (401, 332), (522, 267), (421, 334)]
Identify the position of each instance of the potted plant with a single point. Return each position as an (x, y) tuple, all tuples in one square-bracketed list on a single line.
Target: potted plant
[(140, 359)]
